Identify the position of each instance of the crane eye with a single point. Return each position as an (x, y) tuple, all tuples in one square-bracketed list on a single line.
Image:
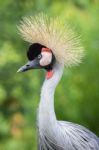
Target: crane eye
[(39, 56)]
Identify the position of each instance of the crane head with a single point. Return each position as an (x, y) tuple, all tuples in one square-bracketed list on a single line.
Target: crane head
[(40, 57), (52, 40)]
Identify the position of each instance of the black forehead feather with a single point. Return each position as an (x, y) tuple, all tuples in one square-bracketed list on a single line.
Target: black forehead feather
[(34, 50)]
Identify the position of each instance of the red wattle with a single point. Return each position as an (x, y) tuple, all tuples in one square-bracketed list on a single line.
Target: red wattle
[(49, 74)]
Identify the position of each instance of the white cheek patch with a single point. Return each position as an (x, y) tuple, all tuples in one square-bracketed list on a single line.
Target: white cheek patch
[(46, 58)]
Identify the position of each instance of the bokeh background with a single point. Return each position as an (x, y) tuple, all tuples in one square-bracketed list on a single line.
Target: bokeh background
[(77, 96)]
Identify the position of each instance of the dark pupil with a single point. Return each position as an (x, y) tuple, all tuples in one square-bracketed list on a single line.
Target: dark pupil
[(34, 51), (39, 56)]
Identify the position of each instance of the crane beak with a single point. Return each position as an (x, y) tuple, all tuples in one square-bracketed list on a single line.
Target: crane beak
[(34, 64)]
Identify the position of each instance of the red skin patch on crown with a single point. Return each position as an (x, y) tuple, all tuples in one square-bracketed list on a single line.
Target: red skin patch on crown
[(49, 74), (46, 50)]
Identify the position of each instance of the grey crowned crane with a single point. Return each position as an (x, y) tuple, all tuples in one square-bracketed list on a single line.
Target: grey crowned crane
[(53, 46)]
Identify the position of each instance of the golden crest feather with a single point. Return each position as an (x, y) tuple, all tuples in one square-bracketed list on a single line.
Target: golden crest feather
[(52, 33)]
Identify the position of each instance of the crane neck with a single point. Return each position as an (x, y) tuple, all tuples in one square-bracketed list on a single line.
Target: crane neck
[(46, 108)]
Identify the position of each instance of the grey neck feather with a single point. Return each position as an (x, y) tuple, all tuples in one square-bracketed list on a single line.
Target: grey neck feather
[(46, 116)]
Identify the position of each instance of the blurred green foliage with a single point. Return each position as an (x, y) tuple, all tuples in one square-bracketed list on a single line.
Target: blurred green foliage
[(19, 93)]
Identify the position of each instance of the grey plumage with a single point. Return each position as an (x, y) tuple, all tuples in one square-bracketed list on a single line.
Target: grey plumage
[(73, 137), (60, 135)]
